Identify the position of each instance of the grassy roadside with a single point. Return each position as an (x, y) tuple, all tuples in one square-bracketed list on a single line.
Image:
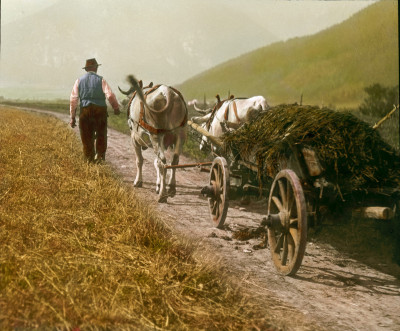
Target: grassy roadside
[(118, 123), (389, 130), (78, 249)]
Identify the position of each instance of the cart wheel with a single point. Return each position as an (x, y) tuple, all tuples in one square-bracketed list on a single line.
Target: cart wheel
[(219, 188), (287, 222)]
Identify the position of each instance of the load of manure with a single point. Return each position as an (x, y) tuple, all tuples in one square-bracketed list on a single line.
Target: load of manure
[(353, 154)]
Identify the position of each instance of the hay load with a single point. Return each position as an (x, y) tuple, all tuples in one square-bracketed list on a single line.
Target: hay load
[(353, 154)]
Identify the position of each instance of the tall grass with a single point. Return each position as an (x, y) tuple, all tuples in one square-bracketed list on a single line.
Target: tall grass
[(79, 249)]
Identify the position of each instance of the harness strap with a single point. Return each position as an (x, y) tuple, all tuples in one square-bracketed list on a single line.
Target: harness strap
[(134, 94), (148, 127), (213, 112), (129, 104), (151, 90), (234, 110), (153, 130), (142, 121)]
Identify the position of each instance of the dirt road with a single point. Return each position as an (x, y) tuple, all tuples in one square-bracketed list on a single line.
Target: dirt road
[(330, 291)]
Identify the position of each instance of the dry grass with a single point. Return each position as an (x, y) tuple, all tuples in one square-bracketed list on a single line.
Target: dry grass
[(79, 250)]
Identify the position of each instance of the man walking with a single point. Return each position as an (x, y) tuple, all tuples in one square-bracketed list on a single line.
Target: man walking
[(92, 90)]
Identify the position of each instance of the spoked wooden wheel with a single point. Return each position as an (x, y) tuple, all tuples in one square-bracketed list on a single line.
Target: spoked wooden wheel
[(218, 191), (287, 222)]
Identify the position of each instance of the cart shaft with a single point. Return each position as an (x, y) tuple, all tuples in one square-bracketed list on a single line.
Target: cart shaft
[(190, 165)]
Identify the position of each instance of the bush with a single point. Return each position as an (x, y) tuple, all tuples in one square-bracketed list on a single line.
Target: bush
[(379, 100)]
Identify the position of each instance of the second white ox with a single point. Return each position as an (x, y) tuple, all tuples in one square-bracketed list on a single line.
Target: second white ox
[(157, 119), (229, 114)]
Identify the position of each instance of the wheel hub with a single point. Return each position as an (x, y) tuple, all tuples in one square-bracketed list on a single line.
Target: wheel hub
[(285, 219)]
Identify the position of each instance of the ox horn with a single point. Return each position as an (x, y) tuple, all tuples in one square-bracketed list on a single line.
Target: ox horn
[(201, 111), (127, 92)]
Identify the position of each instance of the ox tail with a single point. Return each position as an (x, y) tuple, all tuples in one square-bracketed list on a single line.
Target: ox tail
[(139, 92), (135, 86)]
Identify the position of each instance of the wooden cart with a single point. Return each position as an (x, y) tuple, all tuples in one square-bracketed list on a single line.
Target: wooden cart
[(295, 194)]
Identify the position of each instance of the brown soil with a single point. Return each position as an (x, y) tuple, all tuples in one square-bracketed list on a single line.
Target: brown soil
[(333, 289)]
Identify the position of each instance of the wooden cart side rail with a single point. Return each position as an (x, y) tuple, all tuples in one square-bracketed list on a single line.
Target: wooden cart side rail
[(250, 165)]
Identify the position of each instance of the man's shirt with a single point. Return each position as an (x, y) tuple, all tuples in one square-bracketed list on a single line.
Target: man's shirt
[(74, 98)]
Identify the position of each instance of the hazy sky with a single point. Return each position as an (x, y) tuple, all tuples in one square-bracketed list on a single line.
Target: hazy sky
[(287, 18), (166, 41)]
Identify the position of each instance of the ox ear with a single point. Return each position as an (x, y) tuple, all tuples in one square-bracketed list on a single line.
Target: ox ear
[(140, 83), (151, 84), (231, 96), (218, 98)]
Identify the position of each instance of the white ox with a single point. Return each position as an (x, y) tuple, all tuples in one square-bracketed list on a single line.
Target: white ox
[(157, 119), (229, 114)]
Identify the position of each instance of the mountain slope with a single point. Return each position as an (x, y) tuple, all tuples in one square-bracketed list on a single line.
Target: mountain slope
[(330, 68)]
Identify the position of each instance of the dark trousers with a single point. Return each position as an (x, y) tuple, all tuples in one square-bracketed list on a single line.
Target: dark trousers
[(93, 129)]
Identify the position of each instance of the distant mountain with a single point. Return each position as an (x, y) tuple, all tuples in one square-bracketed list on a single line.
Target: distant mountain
[(49, 48), (329, 68)]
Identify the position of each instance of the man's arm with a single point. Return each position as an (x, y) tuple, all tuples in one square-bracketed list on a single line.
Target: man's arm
[(111, 97), (73, 103)]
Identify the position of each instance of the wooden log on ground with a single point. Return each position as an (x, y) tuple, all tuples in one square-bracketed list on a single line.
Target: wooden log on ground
[(380, 213)]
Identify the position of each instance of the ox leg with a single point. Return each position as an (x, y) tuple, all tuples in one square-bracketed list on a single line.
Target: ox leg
[(159, 164), (181, 137), (139, 165), (162, 194), (158, 181), (172, 179)]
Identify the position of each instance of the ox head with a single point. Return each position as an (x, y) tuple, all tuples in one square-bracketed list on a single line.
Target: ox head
[(129, 93), (199, 110), (131, 89), (207, 110)]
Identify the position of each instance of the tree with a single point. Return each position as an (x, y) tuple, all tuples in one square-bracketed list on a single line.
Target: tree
[(379, 100)]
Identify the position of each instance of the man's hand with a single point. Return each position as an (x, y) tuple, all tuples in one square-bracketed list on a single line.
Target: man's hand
[(116, 112), (72, 123)]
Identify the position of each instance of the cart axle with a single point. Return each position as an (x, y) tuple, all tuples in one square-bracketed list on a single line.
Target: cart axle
[(273, 221), (208, 191)]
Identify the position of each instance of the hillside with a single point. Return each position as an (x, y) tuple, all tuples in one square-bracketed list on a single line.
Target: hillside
[(329, 68)]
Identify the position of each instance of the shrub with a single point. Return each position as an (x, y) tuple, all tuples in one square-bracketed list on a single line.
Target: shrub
[(379, 100)]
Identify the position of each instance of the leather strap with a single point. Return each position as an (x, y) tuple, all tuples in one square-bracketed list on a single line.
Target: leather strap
[(226, 115), (153, 130), (235, 111), (146, 126)]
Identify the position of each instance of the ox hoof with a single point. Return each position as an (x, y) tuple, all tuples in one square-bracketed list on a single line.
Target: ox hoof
[(172, 191), (163, 199), (138, 184)]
